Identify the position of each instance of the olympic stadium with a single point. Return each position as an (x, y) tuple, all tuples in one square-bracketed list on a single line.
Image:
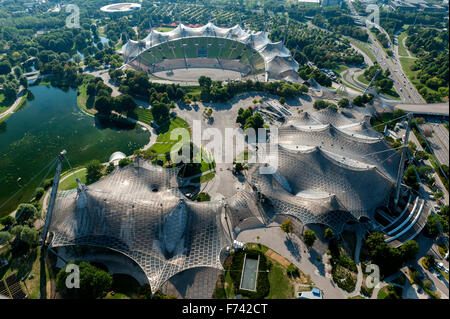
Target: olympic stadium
[(230, 52), (120, 7)]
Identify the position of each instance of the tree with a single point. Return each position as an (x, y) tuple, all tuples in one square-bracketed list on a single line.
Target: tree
[(5, 67), (93, 171), (7, 221), (160, 112), (344, 102), (109, 168), (125, 103), (282, 100), (287, 226), (243, 115), (124, 162), (321, 104), (29, 236), (39, 193), (16, 230), (5, 237), (409, 250), (429, 261), (204, 81), (25, 212), (103, 104), (94, 282), (256, 121), (145, 292), (328, 233), (432, 228), (309, 237)]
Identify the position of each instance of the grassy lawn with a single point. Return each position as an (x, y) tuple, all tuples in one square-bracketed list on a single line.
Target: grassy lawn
[(25, 265), (163, 142), (164, 29), (281, 286), (384, 292), (71, 183), (84, 102), (193, 91), (144, 115), (204, 178), (124, 287)]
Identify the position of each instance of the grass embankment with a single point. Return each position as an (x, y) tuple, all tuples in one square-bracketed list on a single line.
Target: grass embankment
[(402, 51), (340, 68), (407, 64), (365, 49)]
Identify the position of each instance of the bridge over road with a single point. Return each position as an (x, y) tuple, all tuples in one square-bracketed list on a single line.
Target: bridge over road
[(436, 109)]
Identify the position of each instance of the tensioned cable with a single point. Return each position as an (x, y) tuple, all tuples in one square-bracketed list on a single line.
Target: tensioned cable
[(18, 191), (34, 193)]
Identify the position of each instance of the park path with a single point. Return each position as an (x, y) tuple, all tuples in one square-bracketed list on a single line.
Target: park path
[(13, 107)]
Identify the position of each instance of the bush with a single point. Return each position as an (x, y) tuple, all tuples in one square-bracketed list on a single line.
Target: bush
[(124, 162), (29, 236), (94, 282), (328, 233), (39, 193), (109, 168), (321, 104), (7, 221), (94, 171), (5, 237), (203, 197), (344, 102), (309, 237), (293, 271), (25, 212), (145, 292)]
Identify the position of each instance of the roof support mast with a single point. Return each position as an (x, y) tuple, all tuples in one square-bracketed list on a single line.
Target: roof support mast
[(51, 204), (402, 160)]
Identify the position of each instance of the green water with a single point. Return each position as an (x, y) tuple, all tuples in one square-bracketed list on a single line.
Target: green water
[(51, 122)]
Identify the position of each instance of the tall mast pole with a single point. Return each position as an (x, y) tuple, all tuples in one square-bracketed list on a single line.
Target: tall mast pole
[(51, 204), (402, 160)]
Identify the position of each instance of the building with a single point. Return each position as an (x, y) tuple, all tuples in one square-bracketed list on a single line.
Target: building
[(315, 293), (214, 47)]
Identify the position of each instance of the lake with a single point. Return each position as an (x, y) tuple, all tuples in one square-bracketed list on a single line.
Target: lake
[(51, 122)]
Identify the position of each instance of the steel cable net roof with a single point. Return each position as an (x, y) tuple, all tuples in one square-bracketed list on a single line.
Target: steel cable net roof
[(244, 212), (139, 211), (326, 175), (279, 63)]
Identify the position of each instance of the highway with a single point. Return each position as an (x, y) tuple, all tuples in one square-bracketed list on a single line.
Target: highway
[(402, 85)]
